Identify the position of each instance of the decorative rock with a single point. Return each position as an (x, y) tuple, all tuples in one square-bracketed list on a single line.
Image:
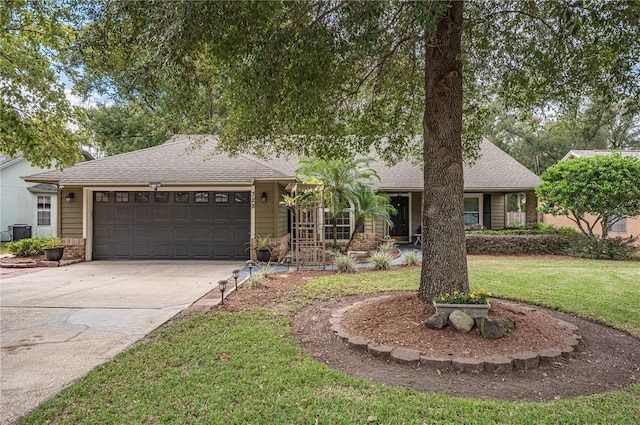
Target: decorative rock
[(437, 321), (341, 334), (435, 362), (498, 364), (377, 350), (461, 321), (405, 356), (567, 352), (549, 356), (357, 342), (494, 328), (526, 360), (467, 365)]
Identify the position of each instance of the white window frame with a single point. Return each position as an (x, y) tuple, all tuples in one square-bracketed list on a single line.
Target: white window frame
[(619, 226), (328, 225), (43, 210), (480, 198)]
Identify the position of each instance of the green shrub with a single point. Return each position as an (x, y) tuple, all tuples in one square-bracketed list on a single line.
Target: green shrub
[(612, 248), (344, 263), (541, 229), (257, 280), (381, 260), (387, 247), (26, 247), (411, 258)]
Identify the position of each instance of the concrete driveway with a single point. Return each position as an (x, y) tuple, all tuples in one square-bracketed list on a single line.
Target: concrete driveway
[(57, 324)]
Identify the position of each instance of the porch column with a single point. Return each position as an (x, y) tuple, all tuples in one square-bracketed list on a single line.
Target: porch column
[(531, 210)]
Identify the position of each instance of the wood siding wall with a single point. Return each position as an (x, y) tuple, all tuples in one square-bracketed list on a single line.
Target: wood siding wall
[(71, 213), (498, 211)]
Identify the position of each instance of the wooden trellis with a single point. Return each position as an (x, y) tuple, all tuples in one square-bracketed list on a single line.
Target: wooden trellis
[(307, 224)]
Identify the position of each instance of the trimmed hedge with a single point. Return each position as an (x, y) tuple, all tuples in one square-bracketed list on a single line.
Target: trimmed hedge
[(552, 243)]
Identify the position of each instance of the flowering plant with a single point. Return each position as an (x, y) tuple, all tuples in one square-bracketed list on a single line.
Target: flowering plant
[(480, 297)]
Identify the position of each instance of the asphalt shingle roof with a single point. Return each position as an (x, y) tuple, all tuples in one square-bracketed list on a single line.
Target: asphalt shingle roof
[(178, 162)]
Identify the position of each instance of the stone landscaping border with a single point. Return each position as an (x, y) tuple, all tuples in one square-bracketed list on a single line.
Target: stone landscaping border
[(495, 364), (43, 263)]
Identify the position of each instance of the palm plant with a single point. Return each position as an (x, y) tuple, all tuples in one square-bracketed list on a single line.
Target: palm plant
[(370, 205), (343, 179)]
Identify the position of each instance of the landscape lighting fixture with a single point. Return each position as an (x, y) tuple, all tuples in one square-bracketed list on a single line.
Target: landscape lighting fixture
[(250, 264), (236, 274), (222, 285)]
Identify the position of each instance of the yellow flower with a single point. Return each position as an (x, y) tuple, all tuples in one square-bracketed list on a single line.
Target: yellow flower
[(488, 294), (455, 292), (472, 295), (482, 289), (442, 299)]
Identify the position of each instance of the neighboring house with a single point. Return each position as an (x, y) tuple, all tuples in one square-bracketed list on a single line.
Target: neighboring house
[(174, 201), (28, 210), (628, 226)]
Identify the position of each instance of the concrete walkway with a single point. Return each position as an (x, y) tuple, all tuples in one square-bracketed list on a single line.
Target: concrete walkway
[(57, 324)]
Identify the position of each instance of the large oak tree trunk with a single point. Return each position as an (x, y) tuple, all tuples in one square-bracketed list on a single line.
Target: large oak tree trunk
[(444, 264)]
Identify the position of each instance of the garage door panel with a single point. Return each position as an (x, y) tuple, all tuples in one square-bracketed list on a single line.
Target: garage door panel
[(182, 215), (223, 216), (122, 232), (161, 215), (201, 215), (162, 233), (221, 234), (142, 251), (182, 233), (150, 230), (142, 215), (182, 251), (201, 251), (142, 232), (122, 251), (161, 250)]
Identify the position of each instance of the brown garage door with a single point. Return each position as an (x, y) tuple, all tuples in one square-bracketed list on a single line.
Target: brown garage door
[(171, 225)]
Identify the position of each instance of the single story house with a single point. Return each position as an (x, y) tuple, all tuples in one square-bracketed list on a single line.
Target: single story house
[(628, 226), (175, 201), (26, 210)]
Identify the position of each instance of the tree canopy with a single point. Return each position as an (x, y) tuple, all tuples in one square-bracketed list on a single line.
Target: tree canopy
[(336, 78), (34, 112), (605, 186)]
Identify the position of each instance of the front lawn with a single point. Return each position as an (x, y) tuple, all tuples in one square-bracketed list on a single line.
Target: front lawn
[(246, 368)]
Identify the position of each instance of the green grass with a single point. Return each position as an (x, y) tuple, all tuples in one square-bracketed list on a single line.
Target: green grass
[(3, 247), (246, 368)]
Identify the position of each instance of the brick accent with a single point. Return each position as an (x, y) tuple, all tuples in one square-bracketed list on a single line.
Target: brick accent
[(531, 210), (74, 248)]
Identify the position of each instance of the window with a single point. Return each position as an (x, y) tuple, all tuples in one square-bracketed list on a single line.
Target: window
[(343, 226), (221, 197), (619, 226), (44, 210), (122, 197), (141, 197), (181, 197), (241, 197), (472, 210), (101, 196), (201, 197), (161, 197)]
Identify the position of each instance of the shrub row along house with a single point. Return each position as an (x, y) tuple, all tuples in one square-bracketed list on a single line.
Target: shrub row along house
[(175, 201)]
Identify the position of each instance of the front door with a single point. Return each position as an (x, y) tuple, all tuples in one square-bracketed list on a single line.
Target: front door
[(400, 219)]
